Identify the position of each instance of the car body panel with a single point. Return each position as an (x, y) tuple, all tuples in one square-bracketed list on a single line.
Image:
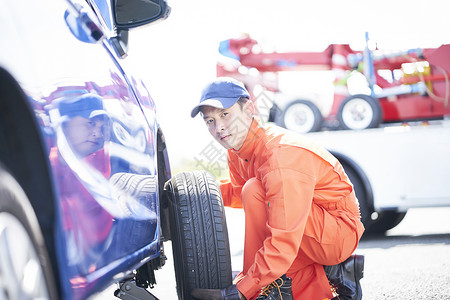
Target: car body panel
[(101, 231)]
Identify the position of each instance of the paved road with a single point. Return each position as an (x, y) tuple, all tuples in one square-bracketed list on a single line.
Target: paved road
[(412, 261)]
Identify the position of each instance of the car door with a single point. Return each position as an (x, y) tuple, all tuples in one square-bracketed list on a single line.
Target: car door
[(100, 144)]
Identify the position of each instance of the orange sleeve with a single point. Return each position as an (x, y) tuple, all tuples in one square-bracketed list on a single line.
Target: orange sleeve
[(289, 195), (231, 189)]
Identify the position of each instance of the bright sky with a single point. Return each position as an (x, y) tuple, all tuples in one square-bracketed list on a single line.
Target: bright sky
[(178, 56)]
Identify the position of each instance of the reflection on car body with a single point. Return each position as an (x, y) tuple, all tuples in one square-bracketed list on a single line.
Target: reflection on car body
[(78, 90), (87, 197)]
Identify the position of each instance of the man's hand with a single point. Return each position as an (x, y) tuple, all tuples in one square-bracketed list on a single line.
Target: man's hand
[(229, 293)]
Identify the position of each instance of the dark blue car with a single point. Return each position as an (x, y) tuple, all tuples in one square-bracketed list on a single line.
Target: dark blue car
[(86, 194)]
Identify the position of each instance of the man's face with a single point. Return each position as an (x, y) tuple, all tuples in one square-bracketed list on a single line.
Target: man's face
[(86, 136), (229, 126)]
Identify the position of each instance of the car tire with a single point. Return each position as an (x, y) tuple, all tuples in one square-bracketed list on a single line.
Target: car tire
[(25, 268), (359, 112), (199, 233), (301, 116)]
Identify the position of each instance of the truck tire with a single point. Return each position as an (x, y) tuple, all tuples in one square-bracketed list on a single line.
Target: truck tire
[(359, 112), (386, 220), (365, 208), (383, 220), (25, 268), (301, 116), (199, 233)]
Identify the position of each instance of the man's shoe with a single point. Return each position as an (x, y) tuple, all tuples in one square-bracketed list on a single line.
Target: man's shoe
[(228, 293), (344, 277), (280, 289)]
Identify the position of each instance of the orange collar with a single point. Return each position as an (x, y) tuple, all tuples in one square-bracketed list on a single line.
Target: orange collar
[(255, 133)]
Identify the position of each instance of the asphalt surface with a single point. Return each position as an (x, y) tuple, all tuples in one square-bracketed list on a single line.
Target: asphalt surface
[(412, 261)]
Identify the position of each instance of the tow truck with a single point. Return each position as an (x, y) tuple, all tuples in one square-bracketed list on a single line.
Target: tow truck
[(397, 155), (401, 85)]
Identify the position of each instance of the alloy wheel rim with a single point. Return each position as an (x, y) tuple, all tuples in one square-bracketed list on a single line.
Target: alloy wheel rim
[(357, 114), (299, 118), (21, 275)]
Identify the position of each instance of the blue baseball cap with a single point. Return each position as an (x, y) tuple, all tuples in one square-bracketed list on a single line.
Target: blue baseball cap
[(86, 106), (221, 93)]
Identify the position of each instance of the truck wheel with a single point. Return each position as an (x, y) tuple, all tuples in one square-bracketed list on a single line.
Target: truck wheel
[(361, 194), (384, 220), (199, 233), (301, 116), (358, 112), (25, 269)]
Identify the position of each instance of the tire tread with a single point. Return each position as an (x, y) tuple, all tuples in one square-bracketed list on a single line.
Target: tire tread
[(201, 245)]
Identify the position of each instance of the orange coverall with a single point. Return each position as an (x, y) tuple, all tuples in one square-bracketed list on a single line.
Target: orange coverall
[(300, 211)]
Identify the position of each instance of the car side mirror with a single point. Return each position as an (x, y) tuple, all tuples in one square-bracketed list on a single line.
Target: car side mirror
[(133, 13)]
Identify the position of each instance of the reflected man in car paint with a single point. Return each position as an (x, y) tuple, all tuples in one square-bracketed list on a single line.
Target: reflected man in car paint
[(85, 127), (86, 136)]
